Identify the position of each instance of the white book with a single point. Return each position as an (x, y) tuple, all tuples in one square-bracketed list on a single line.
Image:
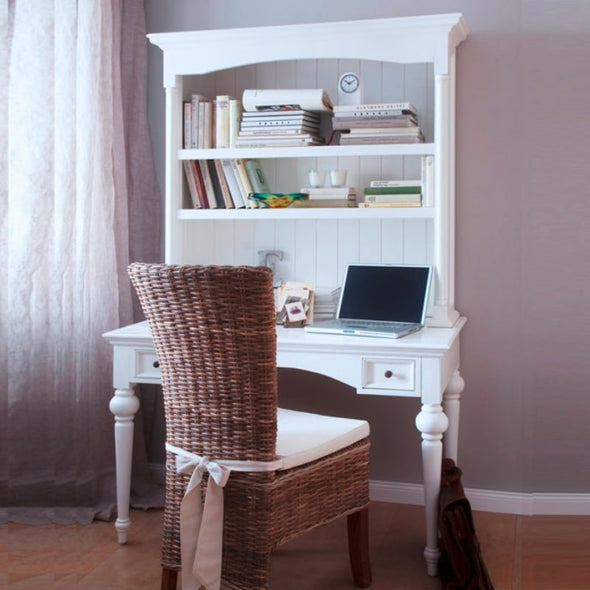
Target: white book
[(243, 181), (222, 121), (196, 100), (396, 198), (388, 183), (310, 99), (405, 107), (235, 118), (187, 118), (233, 185)]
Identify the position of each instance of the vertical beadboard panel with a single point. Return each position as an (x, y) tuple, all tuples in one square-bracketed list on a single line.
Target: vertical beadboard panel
[(370, 73), (244, 250), (392, 82), (287, 74), (285, 240), (348, 245), (370, 240), (415, 242), (304, 254), (326, 253), (392, 241)]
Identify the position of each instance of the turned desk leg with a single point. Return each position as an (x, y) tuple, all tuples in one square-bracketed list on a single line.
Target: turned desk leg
[(432, 423), (451, 403), (123, 406)]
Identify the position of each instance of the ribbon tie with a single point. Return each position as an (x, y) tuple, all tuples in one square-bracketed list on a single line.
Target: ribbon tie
[(201, 527)]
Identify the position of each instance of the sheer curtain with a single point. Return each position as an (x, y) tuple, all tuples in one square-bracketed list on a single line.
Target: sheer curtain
[(82, 201)]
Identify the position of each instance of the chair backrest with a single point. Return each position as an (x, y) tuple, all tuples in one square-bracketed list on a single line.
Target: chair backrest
[(213, 329)]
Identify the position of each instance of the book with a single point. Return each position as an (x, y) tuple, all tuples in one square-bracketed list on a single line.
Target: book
[(276, 131), (344, 192), (196, 122), (232, 183), (235, 118), (257, 177), (187, 119), (413, 130), (242, 176), (282, 114), (394, 198), (319, 203), (368, 123), (404, 107), (192, 183), (393, 183), (367, 116), (348, 139), (366, 205), (311, 99), (300, 139), (222, 121), (200, 184), (216, 184), (225, 192), (392, 190), (208, 184)]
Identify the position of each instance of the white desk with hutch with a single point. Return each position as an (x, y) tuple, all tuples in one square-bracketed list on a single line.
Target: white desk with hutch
[(410, 59)]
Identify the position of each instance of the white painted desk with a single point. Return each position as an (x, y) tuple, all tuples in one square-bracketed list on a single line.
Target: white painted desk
[(423, 365)]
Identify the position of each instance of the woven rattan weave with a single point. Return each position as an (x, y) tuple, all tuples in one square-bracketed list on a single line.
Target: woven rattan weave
[(213, 328)]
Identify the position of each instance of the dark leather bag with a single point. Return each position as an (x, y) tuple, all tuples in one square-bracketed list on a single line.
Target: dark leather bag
[(461, 565)]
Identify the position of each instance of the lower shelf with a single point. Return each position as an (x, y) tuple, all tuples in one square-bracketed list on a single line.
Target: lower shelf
[(311, 213)]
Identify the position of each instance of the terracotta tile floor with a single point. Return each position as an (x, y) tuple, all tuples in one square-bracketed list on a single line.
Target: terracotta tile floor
[(528, 553)]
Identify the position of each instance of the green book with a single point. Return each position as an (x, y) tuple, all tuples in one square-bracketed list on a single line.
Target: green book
[(392, 190), (256, 176)]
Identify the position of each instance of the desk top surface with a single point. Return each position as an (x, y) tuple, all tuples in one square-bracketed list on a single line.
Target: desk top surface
[(292, 339)]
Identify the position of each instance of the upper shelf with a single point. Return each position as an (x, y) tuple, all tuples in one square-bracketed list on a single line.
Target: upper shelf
[(420, 39), (402, 149)]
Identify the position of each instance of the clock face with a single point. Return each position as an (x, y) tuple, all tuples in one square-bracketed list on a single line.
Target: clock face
[(349, 83)]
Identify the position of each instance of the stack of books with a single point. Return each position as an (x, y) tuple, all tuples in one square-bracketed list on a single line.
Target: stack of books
[(275, 118), (377, 123), (392, 193), (224, 184), (328, 197)]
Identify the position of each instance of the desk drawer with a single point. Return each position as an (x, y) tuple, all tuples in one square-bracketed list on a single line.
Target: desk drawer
[(147, 367), (399, 376)]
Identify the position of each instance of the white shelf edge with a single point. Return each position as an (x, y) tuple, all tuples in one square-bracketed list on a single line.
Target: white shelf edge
[(402, 149), (302, 213)]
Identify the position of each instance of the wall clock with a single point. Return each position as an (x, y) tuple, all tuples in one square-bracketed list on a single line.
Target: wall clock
[(349, 89)]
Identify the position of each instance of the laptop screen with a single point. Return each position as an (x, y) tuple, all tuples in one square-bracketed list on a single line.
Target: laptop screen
[(384, 293)]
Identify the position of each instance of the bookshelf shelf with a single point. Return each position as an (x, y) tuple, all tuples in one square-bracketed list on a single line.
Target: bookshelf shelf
[(302, 213), (330, 151)]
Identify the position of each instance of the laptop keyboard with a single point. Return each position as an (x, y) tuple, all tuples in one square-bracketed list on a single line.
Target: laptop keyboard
[(374, 324)]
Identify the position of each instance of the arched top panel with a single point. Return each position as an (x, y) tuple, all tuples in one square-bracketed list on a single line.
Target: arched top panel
[(399, 40)]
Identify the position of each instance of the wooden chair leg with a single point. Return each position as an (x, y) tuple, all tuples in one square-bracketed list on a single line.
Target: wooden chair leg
[(358, 547), (169, 578)]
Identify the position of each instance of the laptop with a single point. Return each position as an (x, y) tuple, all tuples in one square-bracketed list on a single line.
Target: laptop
[(382, 300)]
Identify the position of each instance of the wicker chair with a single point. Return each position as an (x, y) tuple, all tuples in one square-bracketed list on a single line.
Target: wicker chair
[(213, 328)]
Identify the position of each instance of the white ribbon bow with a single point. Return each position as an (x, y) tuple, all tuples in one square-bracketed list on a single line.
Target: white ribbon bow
[(201, 527)]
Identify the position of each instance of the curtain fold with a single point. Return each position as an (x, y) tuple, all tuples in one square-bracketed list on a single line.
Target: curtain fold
[(82, 199)]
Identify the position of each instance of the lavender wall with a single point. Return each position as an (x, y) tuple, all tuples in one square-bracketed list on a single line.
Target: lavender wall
[(523, 276)]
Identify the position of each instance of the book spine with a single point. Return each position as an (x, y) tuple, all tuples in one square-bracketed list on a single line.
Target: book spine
[(399, 198), (196, 99), (405, 107), (235, 120), (257, 177), (209, 190), (392, 190), (192, 184), (226, 193), (393, 183), (187, 125), (245, 190), (314, 99), (200, 184), (222, 121), (244, 180), (232, 183), (216, 184), (366, 205)]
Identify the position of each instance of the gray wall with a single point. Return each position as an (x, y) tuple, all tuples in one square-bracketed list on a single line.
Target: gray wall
[(523, 275)]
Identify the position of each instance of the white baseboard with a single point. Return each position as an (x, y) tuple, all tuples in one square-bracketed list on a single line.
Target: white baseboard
[(527, 504), (484, 500)]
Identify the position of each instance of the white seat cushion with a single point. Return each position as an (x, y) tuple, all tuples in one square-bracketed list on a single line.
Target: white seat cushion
[(304, 437)]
